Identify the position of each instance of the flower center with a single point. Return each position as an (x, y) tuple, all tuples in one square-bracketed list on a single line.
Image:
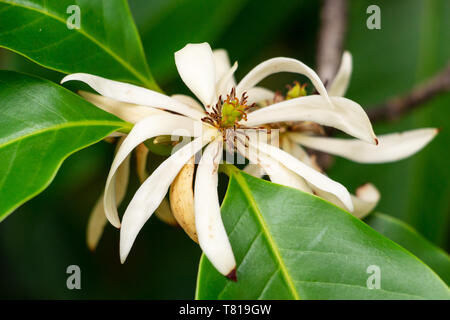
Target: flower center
[(227, 113)]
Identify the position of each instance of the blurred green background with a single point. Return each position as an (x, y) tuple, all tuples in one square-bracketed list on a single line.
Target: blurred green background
[(46, 235)]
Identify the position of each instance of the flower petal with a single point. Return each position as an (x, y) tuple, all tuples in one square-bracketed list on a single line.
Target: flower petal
[(347, 115), (126, 111), (309, 174), (259, 94), (97, 219), (151, 193), (181, 197), (222, 63), (274, 169), (96, 224), (340, 83), (213, 238), (143, 130), (189, 101), (226, 83), (366, 199), (294, 149), (163, 212), (141, 152), (195, 64), (275, 65), (391, 147), (129, 93)]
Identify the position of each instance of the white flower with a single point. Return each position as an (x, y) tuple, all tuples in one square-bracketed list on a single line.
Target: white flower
[(212, 123), (130, 113), (390, 147), (97, 219)]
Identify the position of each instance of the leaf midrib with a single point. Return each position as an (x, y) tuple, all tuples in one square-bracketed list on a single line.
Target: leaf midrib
[(83, 123), (265, 231), (127, 66)]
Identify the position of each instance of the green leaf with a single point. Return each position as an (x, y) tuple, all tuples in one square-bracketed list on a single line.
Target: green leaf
[(292, 245), (106, 44), (410, 239), (41, 124)]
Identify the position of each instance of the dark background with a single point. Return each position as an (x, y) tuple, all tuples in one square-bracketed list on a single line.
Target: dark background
[(47, 234)]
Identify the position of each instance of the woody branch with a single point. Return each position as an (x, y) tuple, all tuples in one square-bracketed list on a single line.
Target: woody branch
[(420, 94), (333, 27)]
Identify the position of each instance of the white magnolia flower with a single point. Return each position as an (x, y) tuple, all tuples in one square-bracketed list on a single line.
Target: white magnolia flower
[(390, 147), (132, 114), (216, 122)]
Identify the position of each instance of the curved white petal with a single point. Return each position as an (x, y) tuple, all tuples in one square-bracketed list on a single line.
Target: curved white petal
[(212, 236), (259, 94), (391, 147), (347, 115), (122, 175), (151, 192), (222, 63), (274, 169), (189, 101), (226, 83), (163, 212), (141, 153), (96, 224), (276, 65), (143, 130), (340, 83), (97, 219), (224, 72), (295, 150), (195, 64), (365, 200), (309, 174), (133, 94), (126, 111), (286, 144)]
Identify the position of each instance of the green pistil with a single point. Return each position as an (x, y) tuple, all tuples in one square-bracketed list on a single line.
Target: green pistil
[(296, 91), (232, 113)]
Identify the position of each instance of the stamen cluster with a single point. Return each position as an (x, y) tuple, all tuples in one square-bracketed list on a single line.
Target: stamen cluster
[(227, 113)]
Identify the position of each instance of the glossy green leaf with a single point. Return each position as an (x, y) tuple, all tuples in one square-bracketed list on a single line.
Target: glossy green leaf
[(292, 245), (41, 124), (404, 235), (106, 44)]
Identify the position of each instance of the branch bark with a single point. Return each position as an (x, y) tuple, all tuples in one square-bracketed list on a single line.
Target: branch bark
[(397, 106), (333, 27)]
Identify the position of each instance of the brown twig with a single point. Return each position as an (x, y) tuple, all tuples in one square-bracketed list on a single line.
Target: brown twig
[(330, 44), (333, 27), (395, 107)]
